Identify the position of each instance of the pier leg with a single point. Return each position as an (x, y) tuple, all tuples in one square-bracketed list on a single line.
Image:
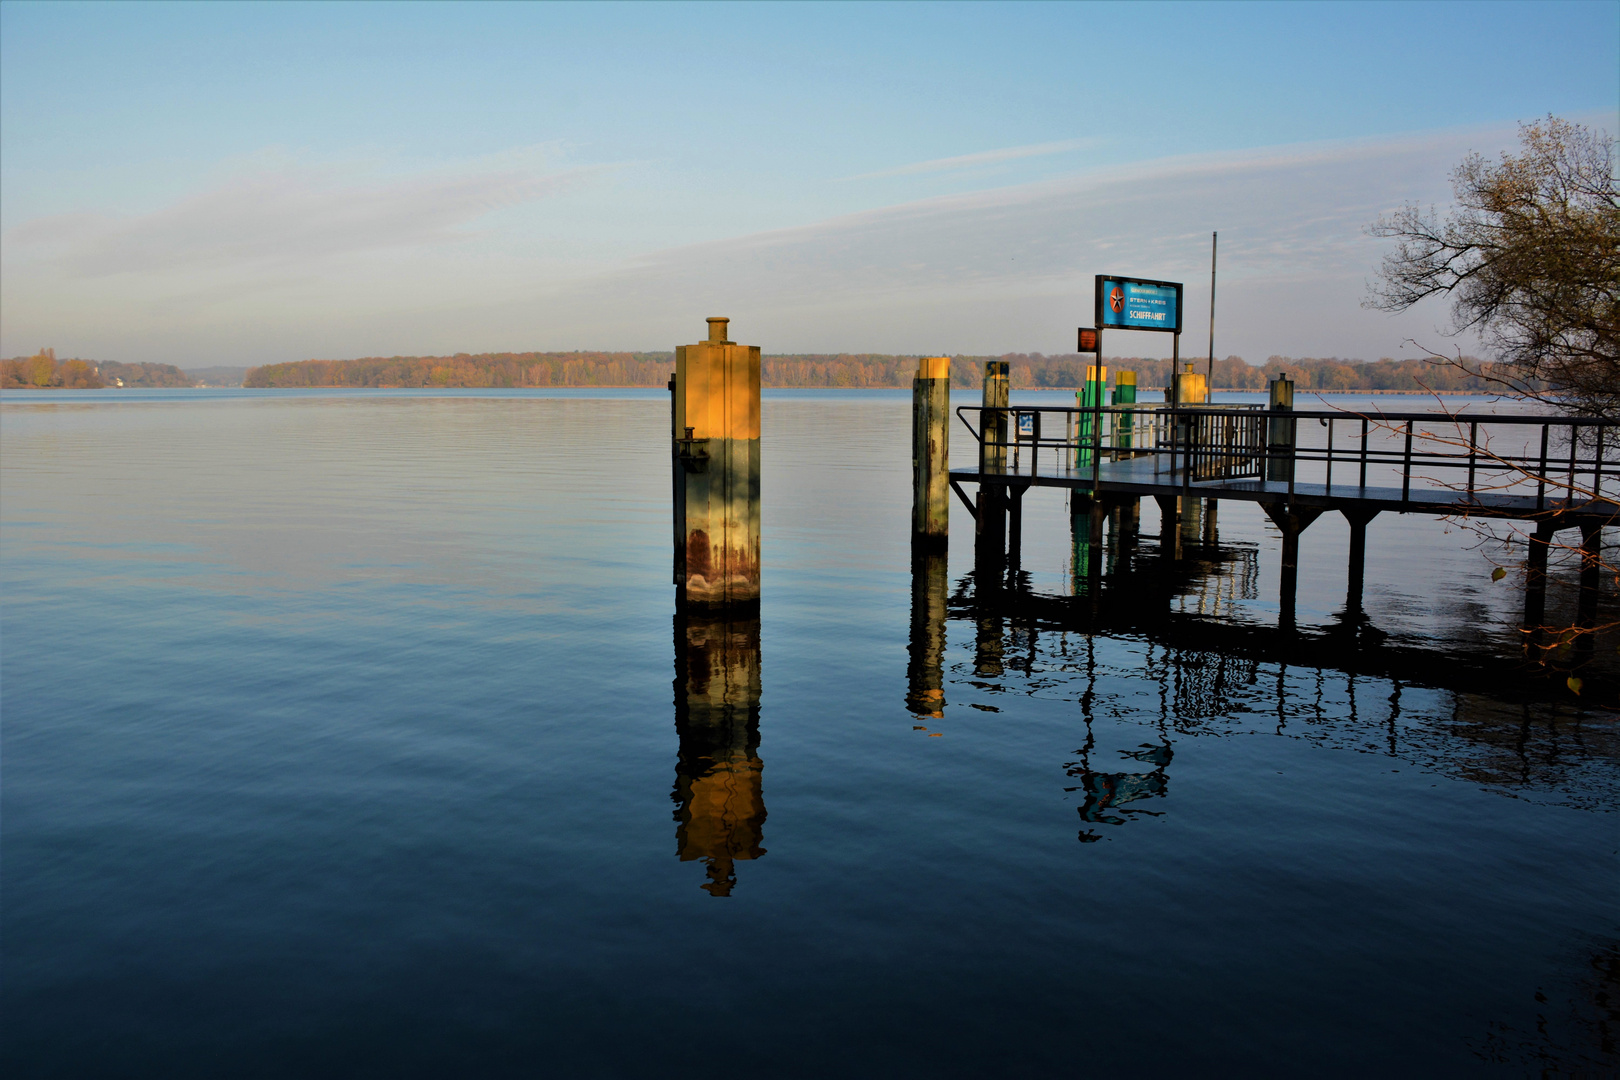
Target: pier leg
[(1169, 526), (1015, 528), (1591, 571), (1291, 521), (1535, 580), (990, 542), (1192, 515), (1210, 535), (930, 450), (1358, 520)]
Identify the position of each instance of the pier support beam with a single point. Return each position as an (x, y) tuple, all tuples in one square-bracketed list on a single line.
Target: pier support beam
[(1291, 520), (930, 451), (716, 469), (1591, 572), (1535, 580), (1015, 526), (1169, 526), (1358, 520)]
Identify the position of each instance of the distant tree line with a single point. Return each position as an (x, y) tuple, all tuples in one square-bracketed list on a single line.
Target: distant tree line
[(466, 370), (44, 371), (852, 370)]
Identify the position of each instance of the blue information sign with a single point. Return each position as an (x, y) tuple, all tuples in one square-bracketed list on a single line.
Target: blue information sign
[(1137, 304)]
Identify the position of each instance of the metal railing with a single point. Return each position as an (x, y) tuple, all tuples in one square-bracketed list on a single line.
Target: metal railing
[(1560, 461)]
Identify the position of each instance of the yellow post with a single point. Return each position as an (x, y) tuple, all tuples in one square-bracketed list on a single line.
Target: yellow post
[(930, 450), (716, 439)]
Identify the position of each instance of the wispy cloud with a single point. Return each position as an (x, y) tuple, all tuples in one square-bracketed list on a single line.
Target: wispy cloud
[(286, 216), (984, 157)]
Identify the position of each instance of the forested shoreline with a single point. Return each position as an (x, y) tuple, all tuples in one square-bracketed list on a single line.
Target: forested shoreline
[(795, 370), (43, 371), (847, 370)]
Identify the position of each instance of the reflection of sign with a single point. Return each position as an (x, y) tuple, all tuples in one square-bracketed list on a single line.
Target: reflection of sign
[(1138, 304), (1088, 339)]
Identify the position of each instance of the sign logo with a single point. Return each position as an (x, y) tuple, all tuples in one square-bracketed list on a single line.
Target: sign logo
[(1116, 299)]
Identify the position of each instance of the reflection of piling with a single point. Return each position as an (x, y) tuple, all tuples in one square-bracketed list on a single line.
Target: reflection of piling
[(716, 464), (930, 450), (925, 673), (992, 523), (719, 793)]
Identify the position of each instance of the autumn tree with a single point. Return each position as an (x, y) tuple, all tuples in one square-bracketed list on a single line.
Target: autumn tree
[(1530, 259)]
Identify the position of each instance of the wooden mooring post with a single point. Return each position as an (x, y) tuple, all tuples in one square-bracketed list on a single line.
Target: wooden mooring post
[(991, 543), (931, 452), (716, 471)]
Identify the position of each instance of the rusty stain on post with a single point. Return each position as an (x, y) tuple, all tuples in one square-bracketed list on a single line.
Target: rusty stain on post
[(716, 466), (930, 450)]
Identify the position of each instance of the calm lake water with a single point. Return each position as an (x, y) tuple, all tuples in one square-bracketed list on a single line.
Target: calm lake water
[(341, 738)]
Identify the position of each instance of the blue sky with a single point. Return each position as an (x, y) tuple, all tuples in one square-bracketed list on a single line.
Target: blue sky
[(205, 184)]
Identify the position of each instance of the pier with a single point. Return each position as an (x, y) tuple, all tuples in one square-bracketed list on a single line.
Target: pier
[(1552, 473)]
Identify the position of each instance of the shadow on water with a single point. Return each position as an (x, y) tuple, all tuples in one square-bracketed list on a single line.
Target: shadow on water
[(719, 785)]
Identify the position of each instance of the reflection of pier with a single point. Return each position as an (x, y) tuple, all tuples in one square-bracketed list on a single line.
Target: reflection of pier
[(1348, 686), (719, 791)]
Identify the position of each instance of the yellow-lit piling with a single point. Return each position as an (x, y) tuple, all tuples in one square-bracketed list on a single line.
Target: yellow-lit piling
[(716, 464)]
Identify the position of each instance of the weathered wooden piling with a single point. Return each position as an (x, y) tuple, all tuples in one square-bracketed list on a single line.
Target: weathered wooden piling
[(925, 671), (719, 778), (716, 468), (992, 506), (930, 451)]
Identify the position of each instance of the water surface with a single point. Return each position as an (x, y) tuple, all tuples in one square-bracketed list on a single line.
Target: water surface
[(354, 733)]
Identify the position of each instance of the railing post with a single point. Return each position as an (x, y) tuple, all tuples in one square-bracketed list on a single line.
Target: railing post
[(1406, 465), (1473, 452), (1574, 442), (1541, 471), (1364, 455)]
